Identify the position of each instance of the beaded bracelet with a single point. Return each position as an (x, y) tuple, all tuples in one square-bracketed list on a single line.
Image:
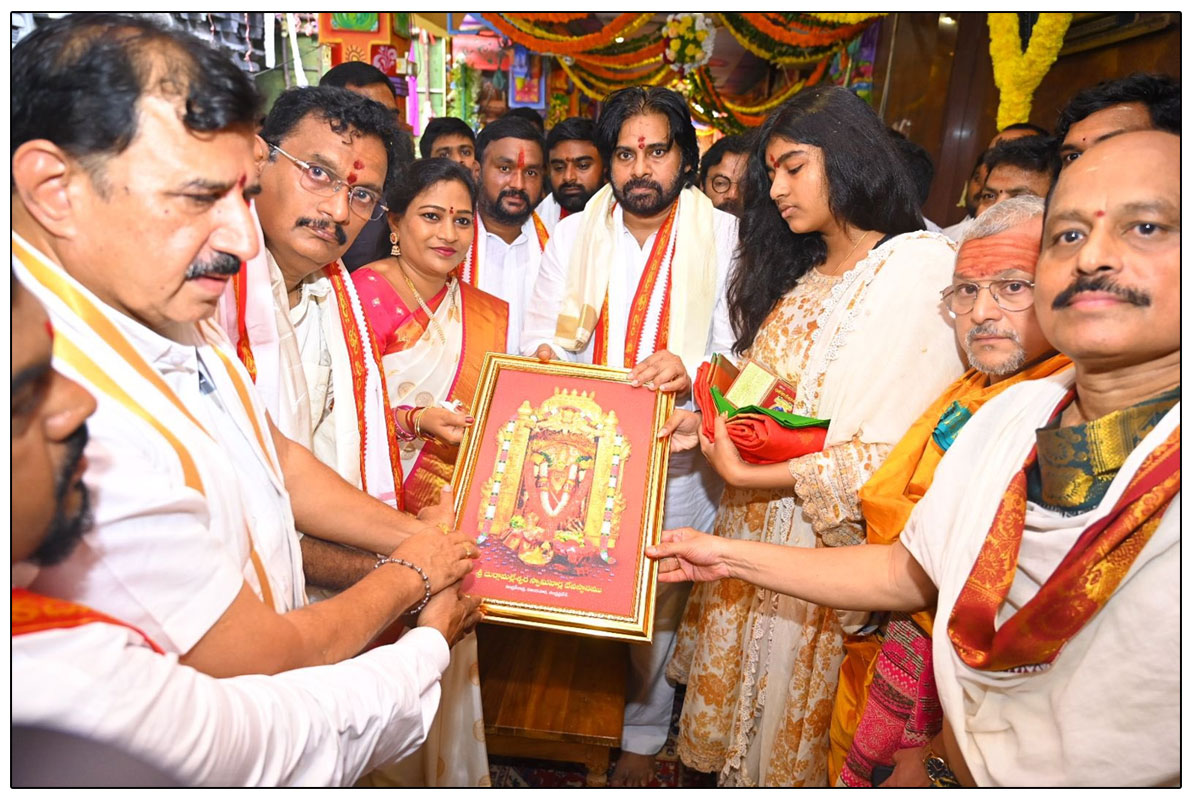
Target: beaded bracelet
[(428, 589)]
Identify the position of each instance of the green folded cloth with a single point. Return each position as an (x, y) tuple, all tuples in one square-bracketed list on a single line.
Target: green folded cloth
[(782, 417)]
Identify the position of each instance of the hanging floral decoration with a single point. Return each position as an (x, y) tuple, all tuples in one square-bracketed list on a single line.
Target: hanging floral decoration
[(789, 40), (847, 19), (689, 39), (1018, 73), (523, 30), (733, 115)]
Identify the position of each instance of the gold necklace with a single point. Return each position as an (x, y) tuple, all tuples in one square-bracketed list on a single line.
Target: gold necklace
[(838, 268), (437, 328)]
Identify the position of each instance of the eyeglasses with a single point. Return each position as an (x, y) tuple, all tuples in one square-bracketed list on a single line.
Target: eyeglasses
[(321, 181), (721, 184), (1011, 294)]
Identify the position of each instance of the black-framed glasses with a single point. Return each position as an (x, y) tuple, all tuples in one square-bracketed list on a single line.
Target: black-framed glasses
[(721, 184), (322, 181), (1011, 294)]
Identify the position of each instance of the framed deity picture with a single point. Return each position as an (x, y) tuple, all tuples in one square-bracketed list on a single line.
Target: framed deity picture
[(563, 480)]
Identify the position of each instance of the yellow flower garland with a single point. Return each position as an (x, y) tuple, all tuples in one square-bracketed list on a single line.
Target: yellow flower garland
[(847, 19), (1018, 74)]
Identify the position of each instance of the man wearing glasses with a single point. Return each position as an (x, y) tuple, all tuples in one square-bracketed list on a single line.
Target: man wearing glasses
[(721, 172), (991, 301), (323, 157)]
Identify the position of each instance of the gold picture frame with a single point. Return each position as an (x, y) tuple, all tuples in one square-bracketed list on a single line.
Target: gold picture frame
[(562, 479)]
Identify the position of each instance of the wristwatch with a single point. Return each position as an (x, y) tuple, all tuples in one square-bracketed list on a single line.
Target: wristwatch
[(939, 772)]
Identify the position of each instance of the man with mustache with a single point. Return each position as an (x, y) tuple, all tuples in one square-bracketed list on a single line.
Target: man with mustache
[(637, 281), (123, 185), (1050, 537), (306, 332), (76, 670), (991, 300), (509, 235), (576, 171)]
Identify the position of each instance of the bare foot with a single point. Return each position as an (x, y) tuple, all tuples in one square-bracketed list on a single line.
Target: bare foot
[(632, 769)]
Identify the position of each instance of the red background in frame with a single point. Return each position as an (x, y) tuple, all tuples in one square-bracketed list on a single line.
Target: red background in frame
[(635, 412)]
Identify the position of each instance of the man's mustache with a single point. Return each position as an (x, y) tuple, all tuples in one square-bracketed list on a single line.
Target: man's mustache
[(572, 188), (1100, 283), (641, 183), (219, 264), (521, 193), (989, 329), (339, 232)]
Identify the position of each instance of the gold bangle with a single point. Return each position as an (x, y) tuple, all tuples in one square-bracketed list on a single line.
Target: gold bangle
[(417, 425)]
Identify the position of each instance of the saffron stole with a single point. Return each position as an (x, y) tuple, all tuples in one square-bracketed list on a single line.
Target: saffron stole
[(107, 333), (639, 311), (485, 329), (34, 612)]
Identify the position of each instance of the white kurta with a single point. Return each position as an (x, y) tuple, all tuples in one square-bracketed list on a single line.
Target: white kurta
[(161, 555), (693, 489), (320, 726), (1107, 710), (509, 271), (549, 211)]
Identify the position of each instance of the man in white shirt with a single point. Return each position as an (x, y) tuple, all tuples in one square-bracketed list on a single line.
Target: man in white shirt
[(127, 224), (1050, 536), (650, 241), (509, 236), (80, 671), (576, 171)]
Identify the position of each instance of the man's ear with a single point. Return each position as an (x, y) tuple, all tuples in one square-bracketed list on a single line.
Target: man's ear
[(46, 181), (262, 153)]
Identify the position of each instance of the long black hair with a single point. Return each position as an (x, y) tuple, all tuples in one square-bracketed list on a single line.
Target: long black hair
[(868, 188)]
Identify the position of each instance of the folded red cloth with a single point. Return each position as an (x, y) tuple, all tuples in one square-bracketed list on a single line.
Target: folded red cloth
[(702, 391), (762, 440)]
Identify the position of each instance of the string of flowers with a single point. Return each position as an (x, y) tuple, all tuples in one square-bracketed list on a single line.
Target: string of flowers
[(1018, 74), (847, 19), (799, 35), (598, 90), (542, 41), (767, 48), (734, 117), (689, 39), (536, 17)]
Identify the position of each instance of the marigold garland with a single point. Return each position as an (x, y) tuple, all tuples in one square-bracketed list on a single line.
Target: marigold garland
[(1018, 74), (556, 44), (778, 54), (598, 90), (798, 35), (848, 19), (535, 17)]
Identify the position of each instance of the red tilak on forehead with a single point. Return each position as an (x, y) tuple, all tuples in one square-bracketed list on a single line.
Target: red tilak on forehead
[(521, 159), (774, 162), (452, 211), (352, 177), (641, 143), (358, 165), (1099, 214)]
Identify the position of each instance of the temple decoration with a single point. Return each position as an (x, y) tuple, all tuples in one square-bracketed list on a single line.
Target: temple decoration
[(380, 39), (1019, 72), (689, 40)]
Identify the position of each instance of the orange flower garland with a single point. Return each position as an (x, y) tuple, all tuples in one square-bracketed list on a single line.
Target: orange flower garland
[(624, 23), (802, 37)]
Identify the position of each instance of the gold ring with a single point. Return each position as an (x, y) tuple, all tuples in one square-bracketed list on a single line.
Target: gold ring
[(467, 545)]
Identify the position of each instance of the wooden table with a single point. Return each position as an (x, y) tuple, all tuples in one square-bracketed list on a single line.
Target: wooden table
[(552, 696)]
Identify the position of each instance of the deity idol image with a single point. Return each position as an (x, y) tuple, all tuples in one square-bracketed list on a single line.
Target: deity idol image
[(555, 497)]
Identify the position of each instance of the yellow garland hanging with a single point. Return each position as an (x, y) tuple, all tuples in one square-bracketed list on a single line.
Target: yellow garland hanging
[(763, 53), (600, 90), (847, 19), (1018, 74)]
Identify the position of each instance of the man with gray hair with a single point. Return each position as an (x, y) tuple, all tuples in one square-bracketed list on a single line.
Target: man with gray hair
[(991, 300)]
